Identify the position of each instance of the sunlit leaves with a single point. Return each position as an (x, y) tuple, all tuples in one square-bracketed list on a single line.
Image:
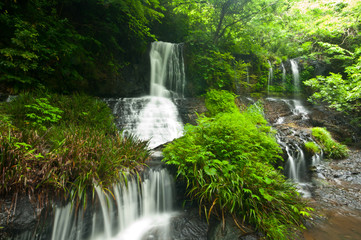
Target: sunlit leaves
[(226, 162)]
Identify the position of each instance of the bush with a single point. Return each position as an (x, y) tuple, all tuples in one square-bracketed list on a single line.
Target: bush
[(220, 101), (330, 147), (78, 150), (312, 148), (227, 164)]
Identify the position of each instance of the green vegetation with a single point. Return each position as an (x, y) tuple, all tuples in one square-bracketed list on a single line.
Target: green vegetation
[(220, 101), (330, 147), (63, 143), (226, 161), (65, 48), (312, 148)]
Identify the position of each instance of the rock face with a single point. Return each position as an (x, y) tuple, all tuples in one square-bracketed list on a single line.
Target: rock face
[(18, 214), (189, 108), (131, 81), (337, 123)]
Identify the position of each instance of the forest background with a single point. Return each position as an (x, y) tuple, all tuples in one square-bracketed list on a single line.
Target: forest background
[(76, 45)]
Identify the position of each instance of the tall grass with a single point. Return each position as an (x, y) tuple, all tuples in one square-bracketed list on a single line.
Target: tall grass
[(82, 148)]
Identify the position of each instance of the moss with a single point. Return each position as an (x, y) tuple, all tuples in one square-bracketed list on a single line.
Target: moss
[(312, 148), (330, 147)]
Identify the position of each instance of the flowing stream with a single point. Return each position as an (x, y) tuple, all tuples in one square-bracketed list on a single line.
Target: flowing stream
[(270, 76)]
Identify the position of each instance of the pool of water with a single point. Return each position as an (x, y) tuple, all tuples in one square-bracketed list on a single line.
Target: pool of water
[(336, 226)]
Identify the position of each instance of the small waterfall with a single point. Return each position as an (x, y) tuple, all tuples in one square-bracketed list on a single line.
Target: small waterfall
[(283, 75), (297, 108), (296, 75), (138, 210), (292, 141), (247, 76), (270, 76)]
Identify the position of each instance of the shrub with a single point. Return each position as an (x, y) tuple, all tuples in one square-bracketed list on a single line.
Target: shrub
[(227, 164), (220, 101), (330, 147), (312, 148)]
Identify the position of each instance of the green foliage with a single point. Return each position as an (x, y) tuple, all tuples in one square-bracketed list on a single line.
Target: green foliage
[(217, 69), (226, 162), (339, 93), (331, 89), (75, 152), (330, 147), (220, 101), (42, 113), (53, 44), (312, 148)]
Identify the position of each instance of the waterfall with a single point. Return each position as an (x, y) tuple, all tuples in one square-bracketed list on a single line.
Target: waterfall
[(270, 76), (283, 75), (155, 117), (133, 211), (292, 142), (247, 71), (296, 75), (167, 78)]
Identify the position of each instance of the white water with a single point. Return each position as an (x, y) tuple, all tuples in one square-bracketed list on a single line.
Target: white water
[(296, 167), (270, 76), (155, 117), (167, 77), (283, 75), (297, 108), (296, 75), (141, 210)]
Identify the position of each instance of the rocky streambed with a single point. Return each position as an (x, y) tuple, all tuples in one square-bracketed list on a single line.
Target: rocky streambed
[(334, 185)]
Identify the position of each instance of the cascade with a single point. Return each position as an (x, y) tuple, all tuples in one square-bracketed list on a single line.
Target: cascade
[(296, 75), (283, 75), (167, 76), (270, 76), (155, 117), (247, 71), (135, 210), (292, 141)]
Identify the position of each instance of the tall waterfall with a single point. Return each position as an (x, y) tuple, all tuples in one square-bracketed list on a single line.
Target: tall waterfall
[(167, 78), (296, 75), (133, 209), (270, 76), (283, 75), (155, 117)]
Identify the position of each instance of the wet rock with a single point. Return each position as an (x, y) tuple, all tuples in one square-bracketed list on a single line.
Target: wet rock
[(230, 231), (335, 122), (188, 225), (336, 185), (189, 108), (19, 214)]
